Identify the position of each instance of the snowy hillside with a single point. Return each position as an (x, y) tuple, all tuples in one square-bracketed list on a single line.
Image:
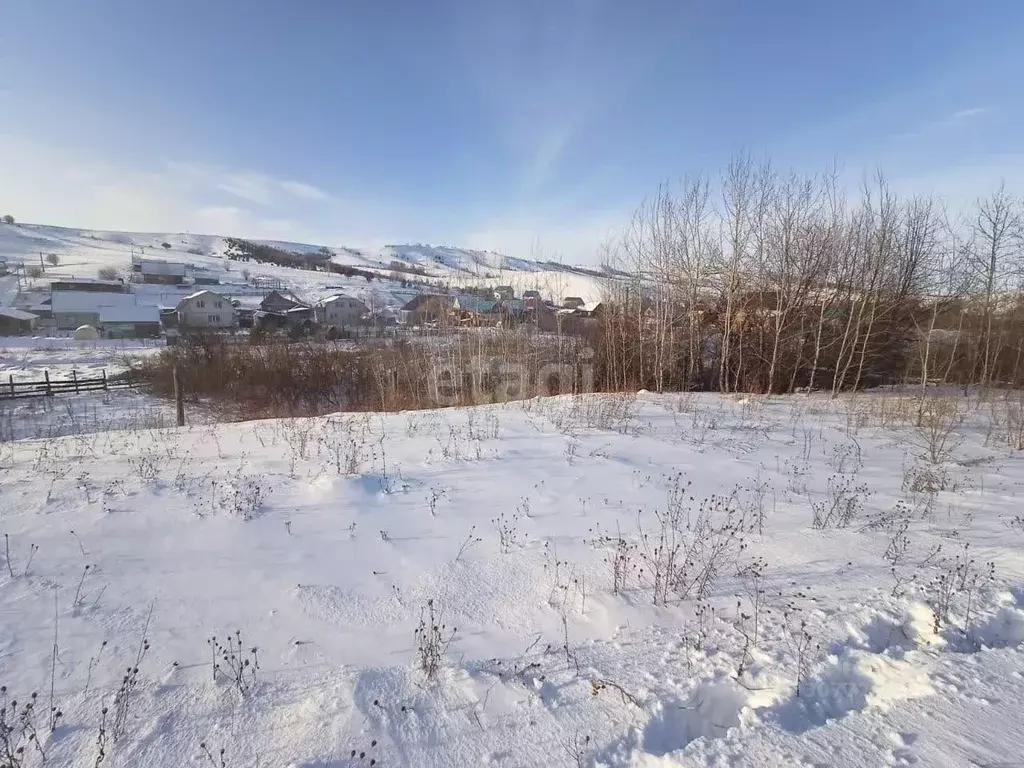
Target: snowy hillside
[(547, 583), (82, 252)]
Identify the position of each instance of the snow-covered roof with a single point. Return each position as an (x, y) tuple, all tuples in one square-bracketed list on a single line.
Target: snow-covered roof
[(89, 301), (145, 313), (17, 314), (335, 297), (197, 294)]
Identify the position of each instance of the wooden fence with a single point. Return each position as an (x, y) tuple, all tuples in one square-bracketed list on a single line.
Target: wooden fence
[(47, 387)]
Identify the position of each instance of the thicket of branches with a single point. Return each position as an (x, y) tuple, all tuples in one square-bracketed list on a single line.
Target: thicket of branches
[(771, 282), (273, 377)]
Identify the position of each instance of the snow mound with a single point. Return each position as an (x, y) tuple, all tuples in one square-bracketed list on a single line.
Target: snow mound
[(710, 712), (855, 682)]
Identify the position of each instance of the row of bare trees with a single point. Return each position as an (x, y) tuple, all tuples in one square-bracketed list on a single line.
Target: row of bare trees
[(774, 282)]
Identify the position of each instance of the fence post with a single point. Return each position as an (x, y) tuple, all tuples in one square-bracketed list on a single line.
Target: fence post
[(10, 380), (74, 378), (104, 379), (49, 390), (179, 402)]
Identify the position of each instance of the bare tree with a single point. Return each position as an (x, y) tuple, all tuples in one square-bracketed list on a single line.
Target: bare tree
[(994, 263)]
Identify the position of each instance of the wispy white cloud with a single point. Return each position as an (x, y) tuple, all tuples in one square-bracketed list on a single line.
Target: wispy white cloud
[(956, 120), (49, 184), (965, 114), (252, 187), (303, 191)]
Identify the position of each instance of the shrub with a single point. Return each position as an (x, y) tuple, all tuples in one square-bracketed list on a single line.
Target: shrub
[(233, 661), (107, 273), (34, 272), (432, 640), (842, 503), (689, 549), (52, 259), (166, 246), (937, 421), (19, 735)]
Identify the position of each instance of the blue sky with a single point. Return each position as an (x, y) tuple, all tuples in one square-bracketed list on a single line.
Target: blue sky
[(523, 126)]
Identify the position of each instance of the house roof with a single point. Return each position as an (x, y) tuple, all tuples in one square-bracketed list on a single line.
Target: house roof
[(335, 297), (88, 281), (88, 301), (197, 294), (202, 294), (277, 295), (420, 299), (474, 304), (145, 313), (17, 314)]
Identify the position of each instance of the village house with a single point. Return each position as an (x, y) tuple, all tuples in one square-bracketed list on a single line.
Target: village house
[(503, 292), (138, 322), (340, 311), (206, 310), (72, 309), (15, 322), (275, 301), (423, 308), (92, 286), (474, 305), (158, 271), (572, 302)]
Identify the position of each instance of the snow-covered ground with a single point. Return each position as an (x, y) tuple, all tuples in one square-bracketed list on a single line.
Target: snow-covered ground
[(27, 357), (81, 253), (587, 611)]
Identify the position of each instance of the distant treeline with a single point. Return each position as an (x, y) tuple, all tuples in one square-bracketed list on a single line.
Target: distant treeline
[(318, 261)]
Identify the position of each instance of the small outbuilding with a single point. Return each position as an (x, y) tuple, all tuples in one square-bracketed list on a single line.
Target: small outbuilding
[(15, 322)]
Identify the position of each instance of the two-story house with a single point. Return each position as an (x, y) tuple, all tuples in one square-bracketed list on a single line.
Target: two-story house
[(206, 310), (340, 311)]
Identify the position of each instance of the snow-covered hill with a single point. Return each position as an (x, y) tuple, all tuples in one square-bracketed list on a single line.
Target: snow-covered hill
[(81, 253)]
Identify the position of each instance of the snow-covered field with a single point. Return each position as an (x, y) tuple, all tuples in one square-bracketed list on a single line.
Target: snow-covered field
[(593, 604), (27, 357)]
